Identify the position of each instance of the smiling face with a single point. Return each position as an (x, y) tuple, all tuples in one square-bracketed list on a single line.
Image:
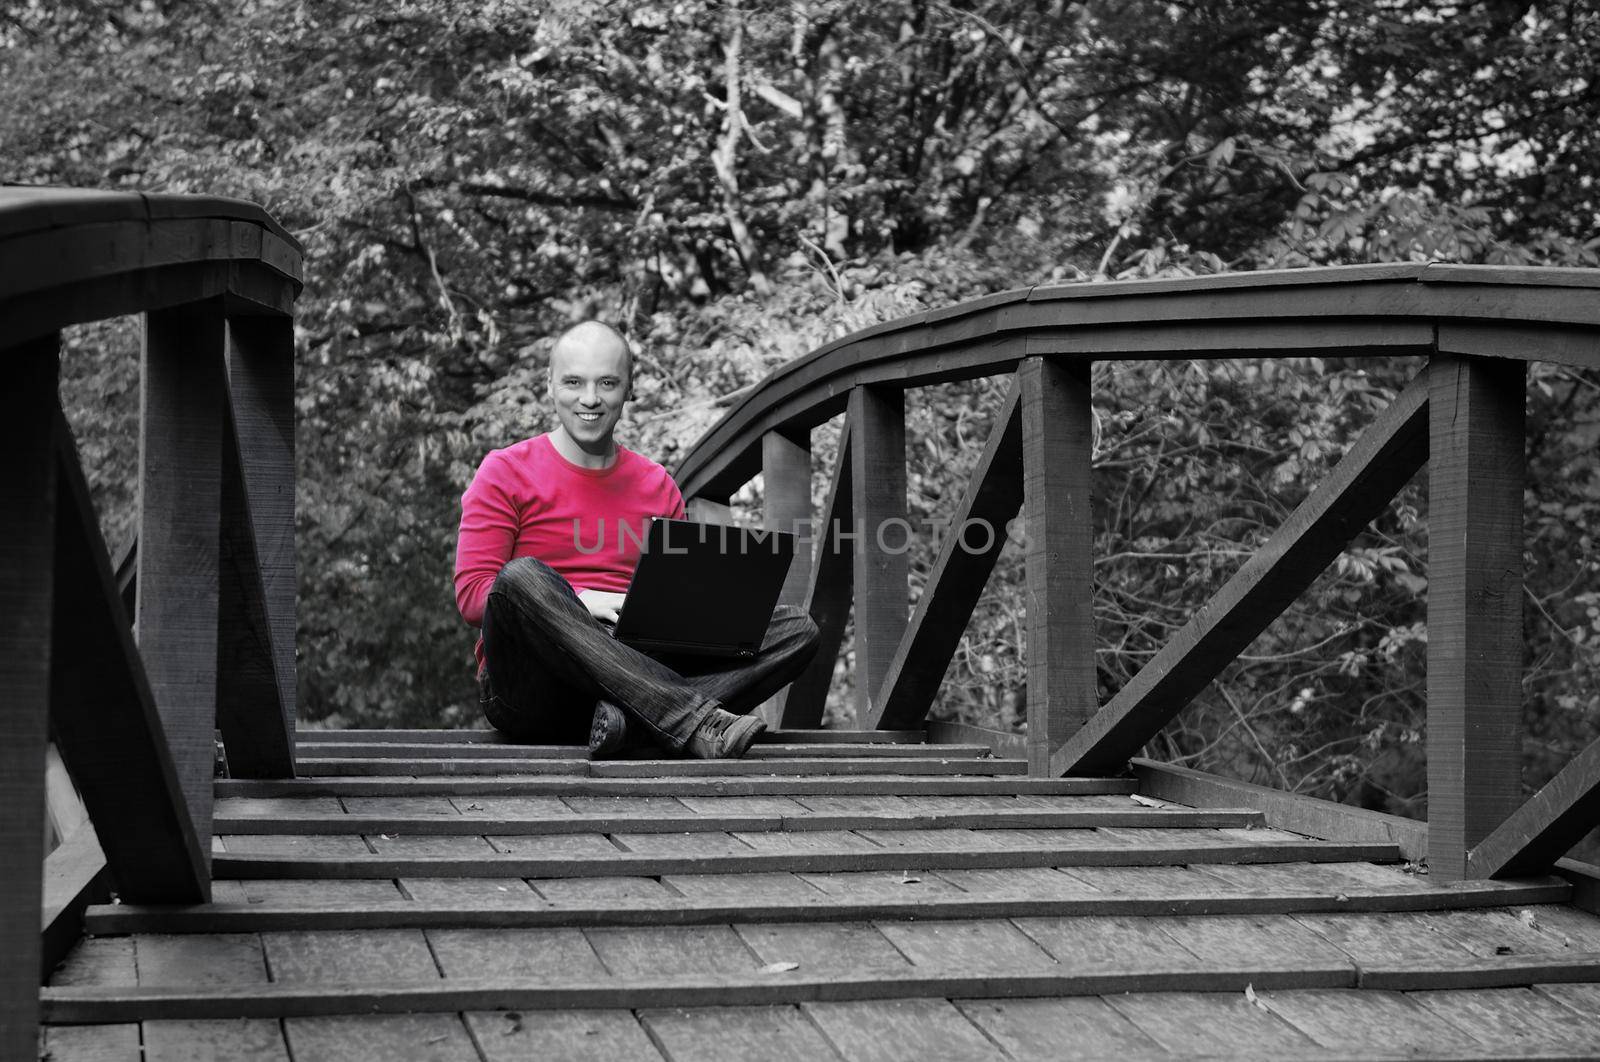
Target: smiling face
[(588, 380)]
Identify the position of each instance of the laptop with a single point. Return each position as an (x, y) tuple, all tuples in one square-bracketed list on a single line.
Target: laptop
[(704, 589)]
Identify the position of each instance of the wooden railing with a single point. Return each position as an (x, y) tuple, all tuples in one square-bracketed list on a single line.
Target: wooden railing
[(1462, 415), (133, 702)]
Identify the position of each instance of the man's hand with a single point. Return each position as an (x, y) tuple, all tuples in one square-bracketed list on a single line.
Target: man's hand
[(603, 605)]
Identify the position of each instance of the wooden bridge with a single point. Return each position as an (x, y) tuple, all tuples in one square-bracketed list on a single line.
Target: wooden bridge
[(911, 890)]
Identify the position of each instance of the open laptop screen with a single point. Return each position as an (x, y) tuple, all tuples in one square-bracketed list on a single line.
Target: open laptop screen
[(705, 589)]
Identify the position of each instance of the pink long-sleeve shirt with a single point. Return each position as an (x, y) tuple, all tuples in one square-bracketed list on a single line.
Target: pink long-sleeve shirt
[(586, 523)]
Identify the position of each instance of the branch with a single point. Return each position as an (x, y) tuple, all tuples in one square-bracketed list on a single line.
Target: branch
[(724, 158)]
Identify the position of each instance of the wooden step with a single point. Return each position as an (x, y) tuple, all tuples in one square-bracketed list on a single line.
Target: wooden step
[(839, 766), (822, 851), (1546, 1023), (366, 971), (750, 785), (507, 903), (411, 816), (428, 750), (495, 737)]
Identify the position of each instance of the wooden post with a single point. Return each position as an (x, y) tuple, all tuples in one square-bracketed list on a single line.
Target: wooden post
[(27, 552), (180, 452), (827, 598), (786, 473), (878, 488), (1057, 450), (256, 634), (1475, 643), (106, 723), (709, 511)]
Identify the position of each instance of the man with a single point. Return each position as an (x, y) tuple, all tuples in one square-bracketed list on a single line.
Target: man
[(546, 600)]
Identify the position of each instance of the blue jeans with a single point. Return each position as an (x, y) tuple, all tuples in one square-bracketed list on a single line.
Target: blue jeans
[(548, 662)]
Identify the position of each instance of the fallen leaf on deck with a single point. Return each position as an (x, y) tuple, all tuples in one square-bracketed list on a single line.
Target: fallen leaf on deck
[(1251, 998), (1148, 802), (907, 879), (779, 967), (1341, 898), (1528, 918)]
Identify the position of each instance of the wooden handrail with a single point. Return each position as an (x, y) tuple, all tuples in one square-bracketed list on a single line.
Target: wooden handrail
[(134, 711), (1526, 314), (1477, 326)]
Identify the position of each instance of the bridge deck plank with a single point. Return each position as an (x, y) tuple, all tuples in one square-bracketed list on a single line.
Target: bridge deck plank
[(569, 1035), (1364, 1020), (250, 1040), (381, 1038), (886, 1030), (1039, 1028), (815, 914), (735, 1034), (1209, 1023)]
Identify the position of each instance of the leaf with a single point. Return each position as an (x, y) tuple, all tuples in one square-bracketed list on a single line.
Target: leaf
[(1147, 802), (1528, 918), (907, 879), (1251, 998), (779, 967)]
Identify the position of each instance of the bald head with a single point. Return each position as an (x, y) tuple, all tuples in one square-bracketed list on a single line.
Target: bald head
[(591, 339), (589, 380)]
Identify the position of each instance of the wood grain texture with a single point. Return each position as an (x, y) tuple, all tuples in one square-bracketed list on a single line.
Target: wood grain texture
[(753, 898), (256, 634), (571, 1036), (1284, 811), (878, 490), (763, 750), (827, 596), (495, 737), (1360, 486), (1056, 1028), (180, 489), (1563, 346), (786, 476), (1546, 827), (1001, 742), (1368, 1022), (27, 551), (576, 787), (1023, 817), (967, 556), (709, 511), (74, 877), (1197, 1024), (107, 724), (913, 851), (380, 1038), (67, 256), (1513, 1017), (1475, 645), (289, 999), (1057, 445), (259, 1040), (732, 1034), (886, 1030)]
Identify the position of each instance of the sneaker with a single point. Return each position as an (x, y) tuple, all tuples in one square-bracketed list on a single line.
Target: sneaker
[(724, 736), (608, 731)]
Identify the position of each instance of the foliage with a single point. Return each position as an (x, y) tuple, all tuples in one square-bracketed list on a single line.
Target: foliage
[(737, 182)]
